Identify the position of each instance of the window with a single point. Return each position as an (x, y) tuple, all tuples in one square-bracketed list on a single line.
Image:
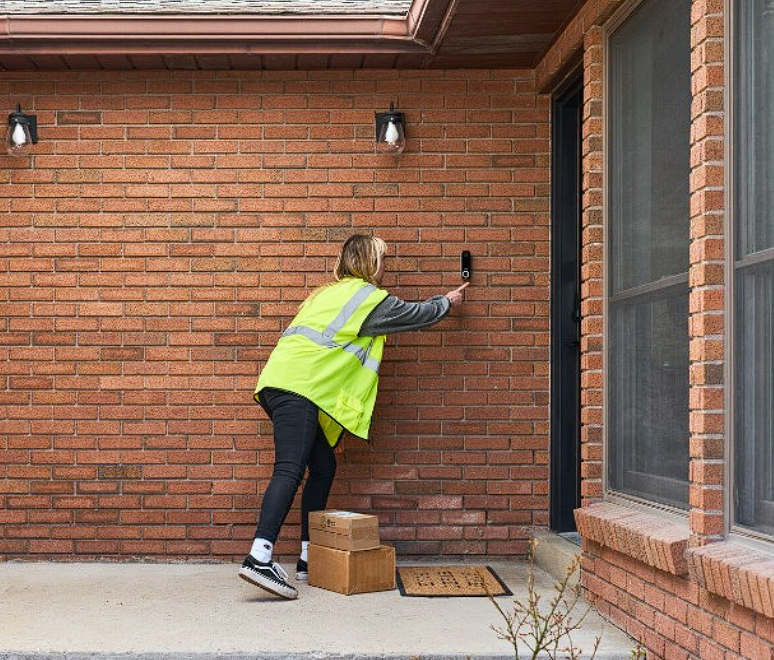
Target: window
[(753, 299), (648, 236)]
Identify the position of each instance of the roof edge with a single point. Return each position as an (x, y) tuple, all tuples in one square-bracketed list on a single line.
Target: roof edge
[(417, 32), (62, 26)]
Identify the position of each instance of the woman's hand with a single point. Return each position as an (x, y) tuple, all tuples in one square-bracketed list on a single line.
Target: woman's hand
[(455, 297)]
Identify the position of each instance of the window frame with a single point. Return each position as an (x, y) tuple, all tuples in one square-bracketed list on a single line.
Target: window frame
[(746, 536), (670, 513)]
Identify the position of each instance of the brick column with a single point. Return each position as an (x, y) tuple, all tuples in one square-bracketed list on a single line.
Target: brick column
[(591, 270), (707, 254)]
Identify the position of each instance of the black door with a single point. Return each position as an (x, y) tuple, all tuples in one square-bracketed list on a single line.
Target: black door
[(565, 306)]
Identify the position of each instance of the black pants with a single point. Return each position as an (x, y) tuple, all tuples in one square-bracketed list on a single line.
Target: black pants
[(299, 442)]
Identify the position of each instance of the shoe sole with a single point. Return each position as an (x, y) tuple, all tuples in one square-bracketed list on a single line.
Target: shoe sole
[(264, 583), (302, 576)]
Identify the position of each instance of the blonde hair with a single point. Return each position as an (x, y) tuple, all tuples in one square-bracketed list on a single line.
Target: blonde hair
[(360, 256)]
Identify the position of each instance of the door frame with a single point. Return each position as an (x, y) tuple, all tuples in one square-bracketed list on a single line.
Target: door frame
[(564, 497)]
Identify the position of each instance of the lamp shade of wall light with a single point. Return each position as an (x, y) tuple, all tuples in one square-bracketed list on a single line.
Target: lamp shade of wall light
[(390, 134), (22, 132)]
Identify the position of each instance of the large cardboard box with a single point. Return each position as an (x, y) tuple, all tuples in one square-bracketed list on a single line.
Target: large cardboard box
[(352, 572), (344, 530)]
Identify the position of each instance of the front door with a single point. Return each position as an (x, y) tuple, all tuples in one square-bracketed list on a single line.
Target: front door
[(565, 306)]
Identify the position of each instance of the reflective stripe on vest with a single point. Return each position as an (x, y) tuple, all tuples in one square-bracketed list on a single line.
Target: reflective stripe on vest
[(348, 310), (325, 338)]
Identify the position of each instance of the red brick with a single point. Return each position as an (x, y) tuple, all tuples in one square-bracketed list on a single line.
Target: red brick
[(171, 290), (164, 266)]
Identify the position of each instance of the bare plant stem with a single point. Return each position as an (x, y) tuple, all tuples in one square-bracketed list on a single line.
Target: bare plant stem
[(548, 630)]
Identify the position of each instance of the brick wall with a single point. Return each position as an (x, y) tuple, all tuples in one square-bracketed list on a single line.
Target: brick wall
[(672, 615), (567, 50), (592, 285), (165, 231), (706, 276), (676, 614)]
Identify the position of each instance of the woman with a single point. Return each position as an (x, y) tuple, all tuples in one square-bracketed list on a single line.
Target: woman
[(321, 380)]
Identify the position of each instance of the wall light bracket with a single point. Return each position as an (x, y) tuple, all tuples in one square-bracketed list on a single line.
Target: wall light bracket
[(390, 131)]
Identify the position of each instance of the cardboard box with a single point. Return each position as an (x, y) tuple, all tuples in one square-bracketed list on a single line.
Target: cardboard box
[(352, 572), (344, 530)]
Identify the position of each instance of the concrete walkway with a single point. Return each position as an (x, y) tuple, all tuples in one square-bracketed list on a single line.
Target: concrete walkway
[(181, 611)]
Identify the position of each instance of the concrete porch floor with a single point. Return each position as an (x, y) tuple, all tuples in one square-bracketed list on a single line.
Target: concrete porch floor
[(181, 611)]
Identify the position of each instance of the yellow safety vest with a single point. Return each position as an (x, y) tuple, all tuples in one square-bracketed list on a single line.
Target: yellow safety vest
[(322, 357)]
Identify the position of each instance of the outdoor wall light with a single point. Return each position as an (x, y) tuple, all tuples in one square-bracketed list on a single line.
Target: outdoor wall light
[(22, 132), (390, 137)]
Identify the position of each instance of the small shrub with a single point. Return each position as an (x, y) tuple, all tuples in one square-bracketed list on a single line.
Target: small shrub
[(548, 629)]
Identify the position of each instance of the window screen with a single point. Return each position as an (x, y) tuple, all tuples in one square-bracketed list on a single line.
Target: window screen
[(754, 267), (647, 285)]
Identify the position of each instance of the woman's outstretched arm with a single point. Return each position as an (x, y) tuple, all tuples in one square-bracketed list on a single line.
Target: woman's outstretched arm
[(396, 315)]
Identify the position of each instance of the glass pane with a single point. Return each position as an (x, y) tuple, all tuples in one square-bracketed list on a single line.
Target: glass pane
[(648, 396), (649, 170), (755, 136), (754, 398), (650, 91), (754, 288)]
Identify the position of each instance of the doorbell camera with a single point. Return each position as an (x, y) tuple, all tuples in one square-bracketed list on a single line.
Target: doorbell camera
[(465, 268)]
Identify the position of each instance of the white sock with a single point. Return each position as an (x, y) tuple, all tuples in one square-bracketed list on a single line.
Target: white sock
[(261, 550), (304, 548)]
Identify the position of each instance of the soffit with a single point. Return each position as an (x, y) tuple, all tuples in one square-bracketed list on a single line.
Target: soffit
[(278, 34)]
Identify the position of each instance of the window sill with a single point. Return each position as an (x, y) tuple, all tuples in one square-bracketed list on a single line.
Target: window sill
[(737, 573), (646, 537)]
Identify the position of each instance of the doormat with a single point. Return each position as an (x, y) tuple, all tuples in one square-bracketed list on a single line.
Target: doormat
[(444, 581)]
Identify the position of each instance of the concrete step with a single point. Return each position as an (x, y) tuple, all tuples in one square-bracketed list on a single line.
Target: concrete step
[(555, 553)]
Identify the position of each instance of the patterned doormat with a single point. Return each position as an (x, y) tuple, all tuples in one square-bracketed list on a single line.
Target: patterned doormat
[(431, 581)]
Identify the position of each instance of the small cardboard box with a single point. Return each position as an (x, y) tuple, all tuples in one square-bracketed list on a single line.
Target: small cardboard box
[(344, 530), (352, 572)]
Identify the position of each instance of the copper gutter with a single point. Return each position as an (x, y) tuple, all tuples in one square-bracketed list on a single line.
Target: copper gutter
[(97, 34)]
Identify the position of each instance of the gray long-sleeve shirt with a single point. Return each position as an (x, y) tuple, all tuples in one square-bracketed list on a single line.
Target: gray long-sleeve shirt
[(396, 315)]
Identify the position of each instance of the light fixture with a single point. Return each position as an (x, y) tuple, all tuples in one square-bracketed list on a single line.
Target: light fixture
[(22, 132), (390, 137)]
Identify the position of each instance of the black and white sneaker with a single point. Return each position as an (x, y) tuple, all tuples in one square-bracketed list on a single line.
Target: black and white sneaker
[(302, 571), (270, 576)]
